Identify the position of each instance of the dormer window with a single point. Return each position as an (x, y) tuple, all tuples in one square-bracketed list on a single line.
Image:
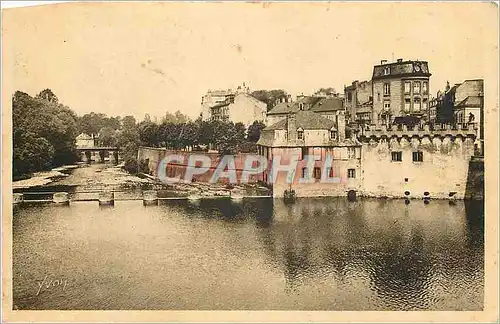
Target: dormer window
[(387, 70), (300, 133), (333, 134)]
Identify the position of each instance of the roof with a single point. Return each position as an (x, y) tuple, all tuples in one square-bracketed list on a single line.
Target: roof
[(220, 105), (284, 108), (220, 92), (470, 101), (330, 104), (293, 107), (304, 119), (84, 136), (403, 68), (252, 98), (364, 109)]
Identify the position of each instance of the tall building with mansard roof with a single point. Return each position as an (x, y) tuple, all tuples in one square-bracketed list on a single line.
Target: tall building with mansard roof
[(400, 89)]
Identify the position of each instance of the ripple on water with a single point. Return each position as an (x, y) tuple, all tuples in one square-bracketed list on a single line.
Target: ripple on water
[(319, 254)]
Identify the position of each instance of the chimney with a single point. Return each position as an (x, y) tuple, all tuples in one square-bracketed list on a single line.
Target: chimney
[(400, 60), (291, 127), (341, 126), (382, 62)]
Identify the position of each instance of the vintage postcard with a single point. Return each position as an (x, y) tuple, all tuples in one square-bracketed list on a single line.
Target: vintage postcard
[(250, 162)]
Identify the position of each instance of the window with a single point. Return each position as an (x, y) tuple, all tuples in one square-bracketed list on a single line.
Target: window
[(351, 152), (304, 152), (333, 134), (425, 87), (416, 87), (418, 156), (330, 172), (300, 134), (387, 89), (351, 173), (387, 70), (407, 87), (317, 173), (304, 173), (301, 106), (407, 104), (397, 156), (424, 104), (349, 96), (417, 104), (387, 105)]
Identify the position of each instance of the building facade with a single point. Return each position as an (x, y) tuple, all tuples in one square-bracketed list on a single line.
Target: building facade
[(400, 89), (307, 133), (358, 98), (237, 106), (85, 141), (420, 162), (463, 103)]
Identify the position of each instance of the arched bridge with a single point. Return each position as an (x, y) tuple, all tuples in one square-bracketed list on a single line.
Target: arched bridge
[(88, 152)]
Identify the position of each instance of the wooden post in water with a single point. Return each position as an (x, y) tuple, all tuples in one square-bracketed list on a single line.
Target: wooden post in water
[(106, 198), (150, 198), (61, 198)]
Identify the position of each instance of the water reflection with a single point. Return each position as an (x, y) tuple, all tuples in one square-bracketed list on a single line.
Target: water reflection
[(316, 254)]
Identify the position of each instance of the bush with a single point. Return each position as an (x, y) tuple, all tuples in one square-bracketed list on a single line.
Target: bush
[(130, 165), (143, 166), (248, 147)]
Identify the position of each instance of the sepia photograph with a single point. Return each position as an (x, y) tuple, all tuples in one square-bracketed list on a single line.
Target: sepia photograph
[(250, 161)]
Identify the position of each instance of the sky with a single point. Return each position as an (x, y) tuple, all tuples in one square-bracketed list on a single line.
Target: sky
[(137, 58)]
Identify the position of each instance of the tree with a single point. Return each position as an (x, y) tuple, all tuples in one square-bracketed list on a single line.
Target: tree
[(168, 134), (327, 91), (31, 154), (48, 95), (107, 136), (181, 118), (189, 134), (270, 97), (148, 133), (128, 122), (254, 130), (176, 118), (206, 133), (43, 124)]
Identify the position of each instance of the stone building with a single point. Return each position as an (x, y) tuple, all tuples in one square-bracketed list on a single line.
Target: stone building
[(233, 105), (419, 162), (463, 103), (358, 98), (400, 88), (328, 107), (85, 141), (307, 133), (283, 109)]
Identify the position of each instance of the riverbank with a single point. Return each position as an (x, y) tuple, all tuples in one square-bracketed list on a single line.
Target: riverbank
[(103, 176), (44, 177)]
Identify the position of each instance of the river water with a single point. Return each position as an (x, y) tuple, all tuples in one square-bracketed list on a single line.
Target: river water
[(254, 254)]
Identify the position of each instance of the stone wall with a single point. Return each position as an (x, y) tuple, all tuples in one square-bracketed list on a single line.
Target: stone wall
[(178, 169), (341, 163), (475, 180), (442, 172)]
